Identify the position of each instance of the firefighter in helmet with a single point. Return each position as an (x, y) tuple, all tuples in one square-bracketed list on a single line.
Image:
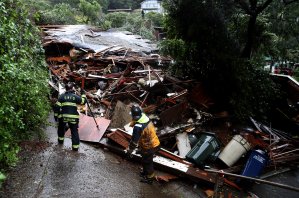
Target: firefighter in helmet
[(66, 113), (144, 135)]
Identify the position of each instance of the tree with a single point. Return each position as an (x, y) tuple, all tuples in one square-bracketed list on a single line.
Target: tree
[(265, 41), (155, 18), (284, 22), (74, 3), (117, 19), (51, 12), (202, 27), (206, 44), (253, 8), (91, 11), (60, 14), (104, 4)]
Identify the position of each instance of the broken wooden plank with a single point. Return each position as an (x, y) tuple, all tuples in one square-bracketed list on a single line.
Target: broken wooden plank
[(168, 165)]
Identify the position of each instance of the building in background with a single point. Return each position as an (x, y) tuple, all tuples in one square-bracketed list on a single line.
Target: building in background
[(152, 6)]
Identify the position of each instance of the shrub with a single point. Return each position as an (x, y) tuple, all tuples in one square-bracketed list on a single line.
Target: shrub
[(2, 178), (296, 73), (61, 14), (117, 19), (106, 25), (155, 18), (24, 104)]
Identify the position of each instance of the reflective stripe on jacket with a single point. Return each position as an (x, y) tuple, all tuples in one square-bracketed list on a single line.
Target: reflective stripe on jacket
[(57, 109), (148, 138), (68, 106)]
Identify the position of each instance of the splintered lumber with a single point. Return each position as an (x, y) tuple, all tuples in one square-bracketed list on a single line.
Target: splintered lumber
[(169, 162)]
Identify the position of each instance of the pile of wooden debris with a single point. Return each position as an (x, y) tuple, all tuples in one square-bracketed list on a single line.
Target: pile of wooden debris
[(193, 138)]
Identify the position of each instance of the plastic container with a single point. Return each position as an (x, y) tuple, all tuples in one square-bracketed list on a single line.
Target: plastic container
[(213, 157), (256, 163), (193, 139), (206, 145), (234, 150)]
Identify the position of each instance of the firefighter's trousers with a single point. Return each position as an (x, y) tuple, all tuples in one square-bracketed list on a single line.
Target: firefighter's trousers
[(147, 161), (62, 127)]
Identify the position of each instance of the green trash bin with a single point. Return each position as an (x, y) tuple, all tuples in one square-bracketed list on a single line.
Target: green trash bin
[(204, 148)]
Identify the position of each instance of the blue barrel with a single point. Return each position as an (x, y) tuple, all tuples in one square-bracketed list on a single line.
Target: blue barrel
[(255, 164)]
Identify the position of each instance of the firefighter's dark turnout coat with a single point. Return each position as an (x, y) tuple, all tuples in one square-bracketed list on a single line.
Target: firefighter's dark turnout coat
[(66, 111)]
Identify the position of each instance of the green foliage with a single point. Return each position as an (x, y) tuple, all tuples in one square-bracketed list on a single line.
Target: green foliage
[(206, 40), (135, 20), (132, 22), (137, 25), (285, 24), (74, 3), (146, 33), (66, 11), (117, 19), (296, 74), (2, 178), (124, 4), (253, 93), (104, 4), (61, 14), (24, 104), (155, 18), (37, 8), (179, 49), (106, 25), (90, 11), (174, 47), (265, 42)]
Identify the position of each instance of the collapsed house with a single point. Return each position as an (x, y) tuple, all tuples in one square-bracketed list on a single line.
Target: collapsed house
[(193, 139)]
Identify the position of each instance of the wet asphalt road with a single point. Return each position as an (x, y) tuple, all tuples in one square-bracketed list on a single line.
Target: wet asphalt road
[(50, 170)]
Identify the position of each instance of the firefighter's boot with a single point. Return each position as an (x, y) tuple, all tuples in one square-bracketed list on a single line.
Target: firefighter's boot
[(148, 180)]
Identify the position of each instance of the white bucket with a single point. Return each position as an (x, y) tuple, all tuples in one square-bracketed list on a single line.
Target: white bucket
[(234, 150)]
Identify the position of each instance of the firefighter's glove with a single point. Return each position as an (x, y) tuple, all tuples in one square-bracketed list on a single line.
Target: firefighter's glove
[(82, 92), (132, 145), (129, 153), (130, 149)]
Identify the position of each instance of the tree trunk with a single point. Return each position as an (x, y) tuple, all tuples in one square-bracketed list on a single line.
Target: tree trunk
[(246, 53)]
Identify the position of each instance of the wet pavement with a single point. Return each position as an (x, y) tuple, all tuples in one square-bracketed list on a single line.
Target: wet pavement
[(47, 169), (50, 170), (290, 178)]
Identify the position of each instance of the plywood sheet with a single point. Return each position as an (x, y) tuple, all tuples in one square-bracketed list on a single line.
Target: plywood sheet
[(88, 130)]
